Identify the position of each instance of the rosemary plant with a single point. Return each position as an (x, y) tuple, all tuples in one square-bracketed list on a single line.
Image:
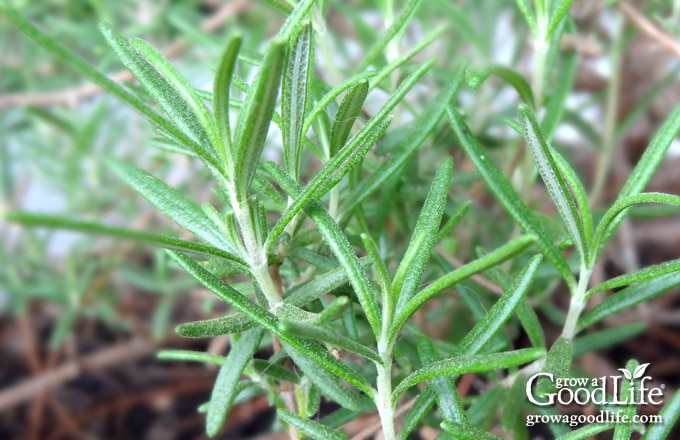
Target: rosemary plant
[(332, 299)]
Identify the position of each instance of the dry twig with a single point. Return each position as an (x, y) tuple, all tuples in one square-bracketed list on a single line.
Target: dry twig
[(648, 28)]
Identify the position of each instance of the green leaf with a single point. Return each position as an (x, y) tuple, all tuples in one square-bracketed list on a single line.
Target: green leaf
[(529, 16), (397, 26), (235, 323), (474, 77), (492, 259), (255, 117), (612, 218), (629, 297), (350, 155), (53, 222), (513, 404), (669, 414), (532, 326), (292, 24), (275, 371), (554, 181), (501, 311), (294, 98), (170, 100), (586, 432), (500, 186), (468, 364), (579, 192), (558, 363), (349, 109), (412, 265), (623, 431), (380, 268), (606, 338), (268, 321), (467, 432), (426, 122), (402, 59), (562, 89), (453, 221), (320, 106), (320, 285), (225, 70), (562, 9), (645, 274), (448, 400), (181, 86), (173, 204), (309, 331), (223, 393), (646, 166), (189, 356), (338, 243), (421, 407), (310, 428), (327, 382)]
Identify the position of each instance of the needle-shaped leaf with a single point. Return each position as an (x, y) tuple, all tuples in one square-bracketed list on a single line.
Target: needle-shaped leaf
[(529, 15), (190, 356), (467, 432), (294, 97), (587, 431), (647, 273), (494, 258), (350, 155), (268, 321), (309, 427), (426, 122), (554, 181), (379, 266), (255, 117), (53, 222), (221, 93), (317, 333), (412, 265), (669, 414), (173, 204), (421, 407), (224, 391), (557, 363), (327, 382), (612, 218), (235, 323), (275, 371), (501, 311), (396, 27), (338, 243), (577, 189), (623, 431), (629, 297), (448, 400), (295, 19), (468, 364), (606, 338), (320, 106), (562, 9), (167, 96), (474, 77), (562, 88), (645, 168), (349, 109), (500, 186), (180, 84), (321, 284)]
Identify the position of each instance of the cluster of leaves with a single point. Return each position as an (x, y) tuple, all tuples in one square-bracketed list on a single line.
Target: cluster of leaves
[(310, 294)]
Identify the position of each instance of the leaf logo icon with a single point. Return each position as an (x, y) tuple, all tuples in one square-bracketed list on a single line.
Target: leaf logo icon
[(640, 371), (626, 373)]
